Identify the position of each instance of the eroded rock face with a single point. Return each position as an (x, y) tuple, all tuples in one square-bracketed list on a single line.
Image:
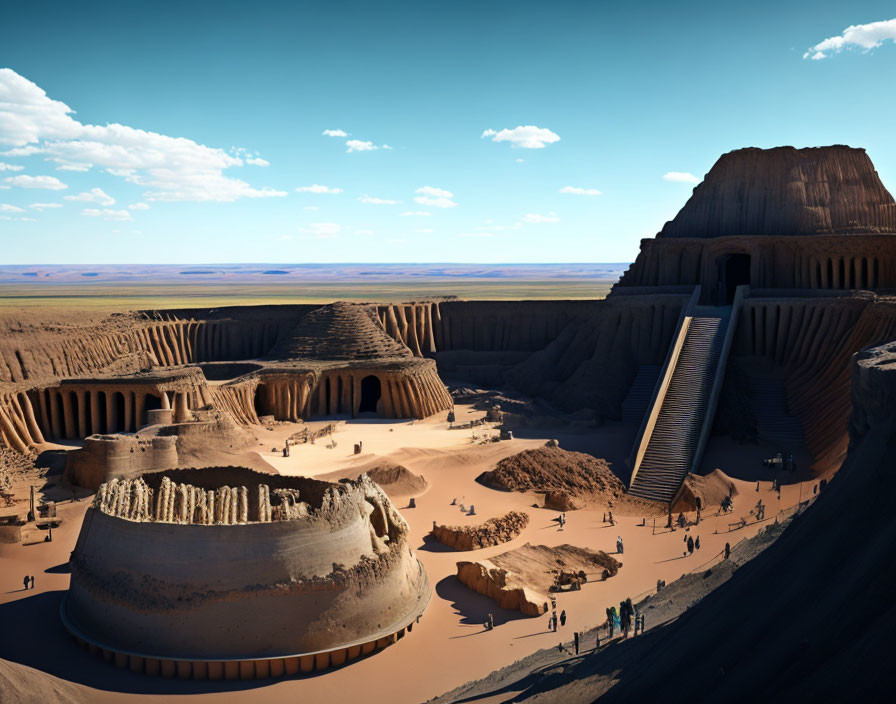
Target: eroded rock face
[(520, 579), (787, 191), (493, 532), (225, 562)]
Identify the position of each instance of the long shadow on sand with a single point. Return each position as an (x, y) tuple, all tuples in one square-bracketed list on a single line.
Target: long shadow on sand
[(473, 608), (33, 635), (430, 544)]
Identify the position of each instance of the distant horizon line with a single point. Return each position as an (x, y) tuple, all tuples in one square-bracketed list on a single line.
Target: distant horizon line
[(316, 264)]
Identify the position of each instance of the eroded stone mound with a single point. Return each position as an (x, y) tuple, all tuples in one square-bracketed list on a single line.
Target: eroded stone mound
[(710, 489), (552, 469), (493, 532), (521, 579), (560, 501), (397, 480), (787, 191), (339, 331)]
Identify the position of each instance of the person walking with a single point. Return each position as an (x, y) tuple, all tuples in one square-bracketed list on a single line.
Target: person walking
[(32, 581), (563, 617), (25, 581), (697, 543), (577, 642), (690, 545), (727, 550), (619, 545)]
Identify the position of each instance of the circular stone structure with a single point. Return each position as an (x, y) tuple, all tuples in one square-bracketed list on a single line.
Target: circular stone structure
[(228, 573)]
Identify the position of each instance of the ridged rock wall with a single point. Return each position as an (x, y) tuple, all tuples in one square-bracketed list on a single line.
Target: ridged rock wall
[(827, 262), (592, 361), (787, 191), (814, 341), (488, 326)]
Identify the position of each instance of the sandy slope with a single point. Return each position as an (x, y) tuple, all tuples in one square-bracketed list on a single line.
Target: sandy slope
[(449, 646)]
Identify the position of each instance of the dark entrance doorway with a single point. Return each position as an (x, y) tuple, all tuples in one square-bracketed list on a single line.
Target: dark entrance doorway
[(735, 272), (370, 394)]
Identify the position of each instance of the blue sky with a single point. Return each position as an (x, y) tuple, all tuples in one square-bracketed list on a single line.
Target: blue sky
[(222, 108)]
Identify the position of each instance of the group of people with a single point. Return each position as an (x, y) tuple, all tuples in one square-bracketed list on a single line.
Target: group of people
[(28, 580), (624, 619), (691, 544), (552, 620)]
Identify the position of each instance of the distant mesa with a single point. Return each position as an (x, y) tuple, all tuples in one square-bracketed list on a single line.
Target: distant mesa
[(196, 272), (787, 191), (90, 273), (277, 272), (29, 273)]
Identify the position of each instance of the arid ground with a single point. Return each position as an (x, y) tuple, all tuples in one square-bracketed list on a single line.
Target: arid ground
[(449, 646)]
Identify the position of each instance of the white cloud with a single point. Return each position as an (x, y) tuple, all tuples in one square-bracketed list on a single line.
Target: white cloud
[(334, 133), (864, 36), (138, 206), (49, 183), (7, 208), (415, 213), (171, 168), (356, 145), (106, 214), (386, 146), (45, 206), (435, 197), (680, 177), (317, 188), (520, 161), (370, 200), (19, 219), (257, 161), (576, 191), (94, 195), (323, 230), (539, 217), (524, 136), (65, 166), (10, 167)]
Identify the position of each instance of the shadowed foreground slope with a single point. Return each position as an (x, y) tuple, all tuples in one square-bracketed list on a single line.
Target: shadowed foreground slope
[(811, 618)]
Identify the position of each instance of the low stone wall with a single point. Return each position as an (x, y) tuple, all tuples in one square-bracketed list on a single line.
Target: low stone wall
[(494, 531)]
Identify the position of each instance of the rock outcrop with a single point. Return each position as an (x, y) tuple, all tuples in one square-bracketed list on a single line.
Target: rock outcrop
[(521, 579), (494, 531), (552, 469), (787, 191)]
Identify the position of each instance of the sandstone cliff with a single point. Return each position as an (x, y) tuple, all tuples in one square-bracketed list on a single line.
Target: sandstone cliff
[(787, 191)]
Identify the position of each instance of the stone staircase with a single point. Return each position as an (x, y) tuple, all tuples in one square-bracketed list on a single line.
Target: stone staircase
[(637, 401), (675, 436)]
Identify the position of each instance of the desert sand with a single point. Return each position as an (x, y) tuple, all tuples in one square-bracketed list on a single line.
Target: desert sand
[(450, 645)]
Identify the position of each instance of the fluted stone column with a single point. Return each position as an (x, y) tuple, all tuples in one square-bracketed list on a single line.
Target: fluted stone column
[(28, 411), (166, 402), (181, 412), (128, 411)]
